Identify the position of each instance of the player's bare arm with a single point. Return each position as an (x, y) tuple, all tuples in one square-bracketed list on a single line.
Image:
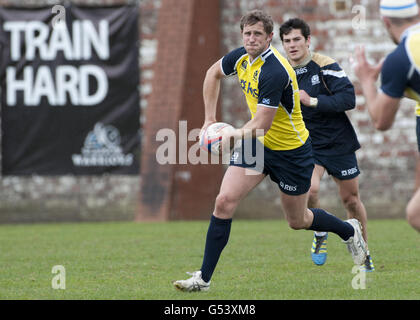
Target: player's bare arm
[(257, 126), (262, 120), (211, 90), (382, 108)]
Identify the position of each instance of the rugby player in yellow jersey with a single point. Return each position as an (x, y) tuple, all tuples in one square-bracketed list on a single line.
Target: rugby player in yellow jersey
[(271, 89), (400, 76)]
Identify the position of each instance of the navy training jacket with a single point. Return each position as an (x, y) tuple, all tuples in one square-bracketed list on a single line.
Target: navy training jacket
[(329, 127)]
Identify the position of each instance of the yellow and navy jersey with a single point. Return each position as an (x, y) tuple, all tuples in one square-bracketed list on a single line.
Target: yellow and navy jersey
[(270, 81), (329, 127), (401, 70)]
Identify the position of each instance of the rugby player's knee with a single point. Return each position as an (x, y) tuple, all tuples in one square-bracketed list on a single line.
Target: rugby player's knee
[(314, 189), (224, 205), (351, 201), (413, 216)]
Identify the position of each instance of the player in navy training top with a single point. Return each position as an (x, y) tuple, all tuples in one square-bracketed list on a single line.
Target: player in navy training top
[(326, 93), (400, 76)]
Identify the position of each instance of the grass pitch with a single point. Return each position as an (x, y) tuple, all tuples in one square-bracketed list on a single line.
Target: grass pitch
[(263, 260)]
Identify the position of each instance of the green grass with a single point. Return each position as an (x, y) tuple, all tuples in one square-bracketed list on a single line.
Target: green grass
[(263, 260)]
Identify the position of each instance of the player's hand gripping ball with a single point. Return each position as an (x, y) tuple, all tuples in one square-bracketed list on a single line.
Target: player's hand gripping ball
[(211, 138)]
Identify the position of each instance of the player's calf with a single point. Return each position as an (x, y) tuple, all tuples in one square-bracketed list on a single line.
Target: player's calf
[(413, 211), (296, 223)]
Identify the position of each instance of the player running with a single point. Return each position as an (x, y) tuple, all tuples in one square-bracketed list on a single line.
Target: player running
[(400, 76), (325, 94), (270, 86)]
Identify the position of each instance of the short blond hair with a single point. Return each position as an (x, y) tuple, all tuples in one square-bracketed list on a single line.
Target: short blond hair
[(256, 16)]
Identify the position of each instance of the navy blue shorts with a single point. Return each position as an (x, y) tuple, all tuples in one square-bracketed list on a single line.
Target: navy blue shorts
[(343, 167), (290, 169)]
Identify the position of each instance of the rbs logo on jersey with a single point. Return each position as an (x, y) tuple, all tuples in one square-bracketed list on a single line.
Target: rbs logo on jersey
[(247, 88)]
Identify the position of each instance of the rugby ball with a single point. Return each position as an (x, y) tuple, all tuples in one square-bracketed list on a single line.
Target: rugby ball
[(211, 137)]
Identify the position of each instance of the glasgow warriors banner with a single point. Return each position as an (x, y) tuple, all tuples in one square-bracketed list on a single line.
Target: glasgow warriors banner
[(69, 90)]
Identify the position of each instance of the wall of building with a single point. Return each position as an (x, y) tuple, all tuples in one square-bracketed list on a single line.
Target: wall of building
[(386, 159), (188, 43)]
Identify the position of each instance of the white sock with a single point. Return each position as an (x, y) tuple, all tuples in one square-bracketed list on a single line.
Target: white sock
[(320, 233)]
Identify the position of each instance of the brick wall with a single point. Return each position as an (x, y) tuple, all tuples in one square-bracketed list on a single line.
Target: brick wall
[(386, 159), (188, 36)]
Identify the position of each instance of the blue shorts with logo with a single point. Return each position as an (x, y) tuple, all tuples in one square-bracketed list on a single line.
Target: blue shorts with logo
[(343, 167), (290, 169)]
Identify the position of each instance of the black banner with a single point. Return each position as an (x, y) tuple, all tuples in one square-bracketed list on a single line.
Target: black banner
[(69, 90)]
